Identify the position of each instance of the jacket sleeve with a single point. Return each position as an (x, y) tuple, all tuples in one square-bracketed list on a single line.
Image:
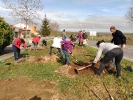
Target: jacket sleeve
[(112, 39), (123, 38), (100, 50)]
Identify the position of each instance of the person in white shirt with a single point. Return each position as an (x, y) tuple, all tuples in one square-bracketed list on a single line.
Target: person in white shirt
[(56, 44), (110, 51)]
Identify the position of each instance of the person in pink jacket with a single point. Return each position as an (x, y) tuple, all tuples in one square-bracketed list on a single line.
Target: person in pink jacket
[(16, 47), (80, 38), (35, 41)]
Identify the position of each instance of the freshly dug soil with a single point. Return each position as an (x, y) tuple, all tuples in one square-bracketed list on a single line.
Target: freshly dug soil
[(27, 89), (70, 72)]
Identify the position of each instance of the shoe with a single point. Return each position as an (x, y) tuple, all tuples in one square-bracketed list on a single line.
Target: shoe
[(118, 76), (68, 64)]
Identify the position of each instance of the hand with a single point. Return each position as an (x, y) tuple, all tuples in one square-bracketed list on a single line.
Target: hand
[(123, 46), (93, 64)]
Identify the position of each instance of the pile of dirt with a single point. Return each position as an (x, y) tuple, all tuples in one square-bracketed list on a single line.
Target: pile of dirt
[(27, 89), (69, 71)]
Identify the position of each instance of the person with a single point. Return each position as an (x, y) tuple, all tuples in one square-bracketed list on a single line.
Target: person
[(64, 35), (84, 38), (56, 44), (118, 37), (44, 42), (80, 38), (110, 51), (35, 41), (16, 47), (67, 49)]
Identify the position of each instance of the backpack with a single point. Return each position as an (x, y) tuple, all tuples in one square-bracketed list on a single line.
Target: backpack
[(85, 36)]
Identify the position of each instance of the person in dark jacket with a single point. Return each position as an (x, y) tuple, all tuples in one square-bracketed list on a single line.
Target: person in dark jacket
[(118, 37)]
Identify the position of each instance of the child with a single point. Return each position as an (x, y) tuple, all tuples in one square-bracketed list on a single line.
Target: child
[(67, 49)]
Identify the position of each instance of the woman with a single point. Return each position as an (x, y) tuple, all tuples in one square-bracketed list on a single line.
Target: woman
[(67, 49), (16, 47), (110, 51), (80, 38)]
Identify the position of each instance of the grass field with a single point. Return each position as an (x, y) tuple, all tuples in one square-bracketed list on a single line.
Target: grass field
[(71, 88)]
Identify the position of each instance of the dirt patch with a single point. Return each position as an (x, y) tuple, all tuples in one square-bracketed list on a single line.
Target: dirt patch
[(40, 59), (27, 89), (69, 71)]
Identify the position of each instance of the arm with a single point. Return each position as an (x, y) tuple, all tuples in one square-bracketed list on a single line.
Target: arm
[(123, 38), (112, 39), (98, 55)]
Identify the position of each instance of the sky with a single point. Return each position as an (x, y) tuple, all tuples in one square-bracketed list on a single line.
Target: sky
[(75, 15)]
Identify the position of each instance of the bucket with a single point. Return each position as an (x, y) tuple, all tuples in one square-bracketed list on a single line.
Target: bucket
[(130, 68)]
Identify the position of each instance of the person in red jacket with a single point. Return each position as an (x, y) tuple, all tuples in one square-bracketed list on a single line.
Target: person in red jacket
[(16, 47), (35, 41)]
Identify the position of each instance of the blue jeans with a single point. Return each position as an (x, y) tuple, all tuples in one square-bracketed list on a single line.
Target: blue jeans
[(16, 52), (59, 50), (66, 56)]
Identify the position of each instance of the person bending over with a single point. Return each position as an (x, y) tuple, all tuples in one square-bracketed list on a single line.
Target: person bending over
[(110, 51)]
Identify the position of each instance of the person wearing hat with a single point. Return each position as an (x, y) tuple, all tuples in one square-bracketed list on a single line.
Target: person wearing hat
[(110, 51)]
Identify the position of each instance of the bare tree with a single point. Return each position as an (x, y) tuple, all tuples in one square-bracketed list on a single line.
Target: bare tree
[(129, 14), (24, 10), (54, 27)]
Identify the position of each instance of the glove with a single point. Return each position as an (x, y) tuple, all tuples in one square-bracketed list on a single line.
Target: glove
[(93, 64)]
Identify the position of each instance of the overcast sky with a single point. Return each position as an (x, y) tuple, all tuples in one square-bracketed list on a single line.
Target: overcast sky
[(75, 15)]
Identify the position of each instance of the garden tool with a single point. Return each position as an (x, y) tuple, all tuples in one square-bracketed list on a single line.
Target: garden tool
[(111, 98), (93, 92), (77, 70)]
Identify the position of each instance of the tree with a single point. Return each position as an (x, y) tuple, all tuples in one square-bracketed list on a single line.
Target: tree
[(54, 27), (129, 14), (45, 28), (24, 10), (6, 34)]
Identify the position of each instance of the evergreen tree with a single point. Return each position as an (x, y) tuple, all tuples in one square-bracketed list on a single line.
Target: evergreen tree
[(45, 28), (6, 34)]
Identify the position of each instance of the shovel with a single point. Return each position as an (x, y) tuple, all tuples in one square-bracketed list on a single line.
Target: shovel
[(77, 70)]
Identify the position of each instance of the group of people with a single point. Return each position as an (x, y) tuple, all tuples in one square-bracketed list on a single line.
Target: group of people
[(110, 50)]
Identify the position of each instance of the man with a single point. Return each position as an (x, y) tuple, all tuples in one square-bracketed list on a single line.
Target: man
[(118, 37), (110, 51), (64, 35), (56, 44)]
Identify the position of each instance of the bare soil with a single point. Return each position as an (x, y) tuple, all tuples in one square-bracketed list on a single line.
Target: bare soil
[(69, 71), (27, 89), (40, 59)]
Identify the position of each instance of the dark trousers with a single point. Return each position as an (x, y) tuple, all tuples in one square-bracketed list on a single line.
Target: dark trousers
[(59, 50), (16, 52), (116, 53)]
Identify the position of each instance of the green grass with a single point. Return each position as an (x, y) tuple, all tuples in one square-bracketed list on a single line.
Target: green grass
[(72, 88)]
